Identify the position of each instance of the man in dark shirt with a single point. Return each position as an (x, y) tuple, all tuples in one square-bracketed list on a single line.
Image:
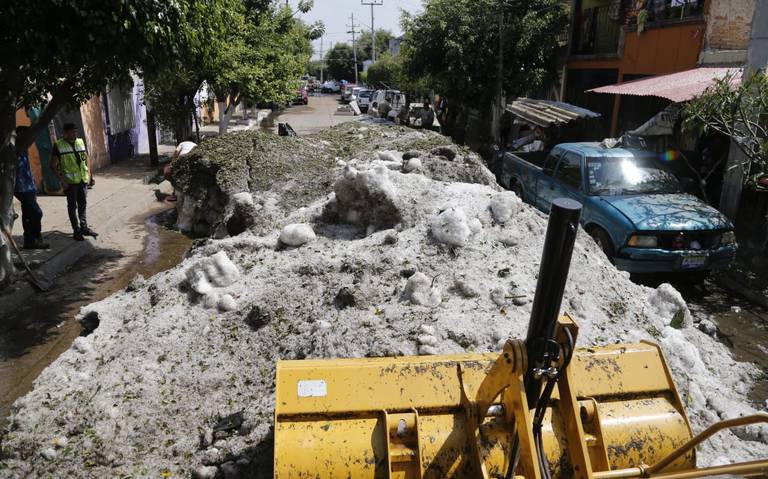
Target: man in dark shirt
[(25, 191)]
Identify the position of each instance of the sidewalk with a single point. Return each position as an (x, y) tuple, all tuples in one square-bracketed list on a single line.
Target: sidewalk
[(121, 193)]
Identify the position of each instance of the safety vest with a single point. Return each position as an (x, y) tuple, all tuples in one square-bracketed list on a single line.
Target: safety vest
[(73, 161)]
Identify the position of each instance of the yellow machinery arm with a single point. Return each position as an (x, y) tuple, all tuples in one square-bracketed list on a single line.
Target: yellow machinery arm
[(615, 414), (539, 410)]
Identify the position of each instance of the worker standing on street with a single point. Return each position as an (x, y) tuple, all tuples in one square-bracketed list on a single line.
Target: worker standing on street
[(427, 116), (25, 191), (71, 163)]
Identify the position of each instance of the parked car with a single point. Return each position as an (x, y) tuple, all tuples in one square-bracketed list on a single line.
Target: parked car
[(330, 86), (313, 85), (346, 91), (302, 96), (351, 96), (634, 207), (364, 99)]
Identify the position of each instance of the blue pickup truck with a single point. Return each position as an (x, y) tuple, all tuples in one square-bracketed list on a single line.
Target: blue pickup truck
[(634, 207)]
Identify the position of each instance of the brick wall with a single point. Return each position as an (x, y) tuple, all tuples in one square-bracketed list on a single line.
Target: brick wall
[(729, 23)]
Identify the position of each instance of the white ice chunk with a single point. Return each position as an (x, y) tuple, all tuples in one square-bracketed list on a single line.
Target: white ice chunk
[(504, 206), (297, 234), (450, 227), (216, 271)]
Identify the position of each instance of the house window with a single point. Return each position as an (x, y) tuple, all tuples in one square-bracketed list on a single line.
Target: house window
[(671, 10), (596, 27)]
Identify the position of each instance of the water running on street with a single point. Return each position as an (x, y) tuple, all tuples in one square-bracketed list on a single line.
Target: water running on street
[(33, 336)]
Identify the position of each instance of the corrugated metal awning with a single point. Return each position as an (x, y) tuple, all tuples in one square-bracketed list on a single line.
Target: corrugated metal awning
[(677, 87), (546, 113)]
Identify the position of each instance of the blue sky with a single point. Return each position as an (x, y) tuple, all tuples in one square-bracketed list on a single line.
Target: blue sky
[(335, 14)]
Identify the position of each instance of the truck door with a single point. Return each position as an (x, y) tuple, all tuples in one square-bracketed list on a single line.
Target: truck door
[(545, 187), (568, 178)]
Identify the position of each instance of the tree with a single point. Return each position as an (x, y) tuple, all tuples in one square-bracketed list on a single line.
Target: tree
[(364, 44), (739, 112), (70, 50), (340, 62), (207, 27), (387, 71), (472, 51), (262, 59)]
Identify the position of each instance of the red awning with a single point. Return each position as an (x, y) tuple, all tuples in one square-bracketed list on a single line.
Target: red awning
[(678, 87)]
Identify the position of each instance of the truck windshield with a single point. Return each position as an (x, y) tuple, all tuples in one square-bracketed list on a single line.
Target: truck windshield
[(629, 176)]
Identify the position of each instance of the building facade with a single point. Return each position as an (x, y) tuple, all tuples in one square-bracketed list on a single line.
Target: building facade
[(614, 41), (104, 121)]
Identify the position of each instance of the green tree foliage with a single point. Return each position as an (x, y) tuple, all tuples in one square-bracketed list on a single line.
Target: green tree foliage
[(206, 28), (313, 68), (261, 60), (739, 111), (340, 62), (246, 50), (57, 54), (453, 45), (71, 49), (364, 44), (387, 71)]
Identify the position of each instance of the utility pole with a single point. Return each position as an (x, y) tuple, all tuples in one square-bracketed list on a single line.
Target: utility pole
[(322, 60), (354, 44), (373, 3)]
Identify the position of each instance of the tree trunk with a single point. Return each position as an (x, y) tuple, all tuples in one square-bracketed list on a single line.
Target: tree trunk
[(197, 125), (225, 114), (8, 161), (152, 137), (183, 130), (9, 145)]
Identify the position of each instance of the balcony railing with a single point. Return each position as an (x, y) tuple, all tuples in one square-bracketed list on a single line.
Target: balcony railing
[(660, 13)]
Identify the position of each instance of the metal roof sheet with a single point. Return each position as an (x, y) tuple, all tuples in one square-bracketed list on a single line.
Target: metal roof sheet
[(546, 113), (677, 87)]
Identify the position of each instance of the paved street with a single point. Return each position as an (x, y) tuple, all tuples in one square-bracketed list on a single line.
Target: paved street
[(311, 118), (36, 327)]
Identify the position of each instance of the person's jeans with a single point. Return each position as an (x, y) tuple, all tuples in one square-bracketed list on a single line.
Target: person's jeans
[(76, 202), (31, 216)]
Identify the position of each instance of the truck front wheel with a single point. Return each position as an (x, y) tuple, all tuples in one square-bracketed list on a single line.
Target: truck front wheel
[(517, 189), (603, 240)]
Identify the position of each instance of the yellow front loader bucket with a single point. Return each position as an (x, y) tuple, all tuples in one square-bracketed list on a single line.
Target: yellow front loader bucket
[(537, 410), (407, 417)]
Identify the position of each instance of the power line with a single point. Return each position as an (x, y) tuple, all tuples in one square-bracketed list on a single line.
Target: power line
[(373, 3)]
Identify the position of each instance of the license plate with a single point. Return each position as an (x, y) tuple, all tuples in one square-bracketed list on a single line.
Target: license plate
[(692, 262)]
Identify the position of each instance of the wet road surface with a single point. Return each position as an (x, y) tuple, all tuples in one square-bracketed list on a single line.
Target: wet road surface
[(307, 119), (33, 336), (741, 325)]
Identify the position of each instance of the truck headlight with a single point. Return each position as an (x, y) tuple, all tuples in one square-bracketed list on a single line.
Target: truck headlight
[(643, 241), (729, 237)]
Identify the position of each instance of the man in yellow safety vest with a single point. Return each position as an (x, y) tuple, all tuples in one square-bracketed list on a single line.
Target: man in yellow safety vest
[(71, 163)]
